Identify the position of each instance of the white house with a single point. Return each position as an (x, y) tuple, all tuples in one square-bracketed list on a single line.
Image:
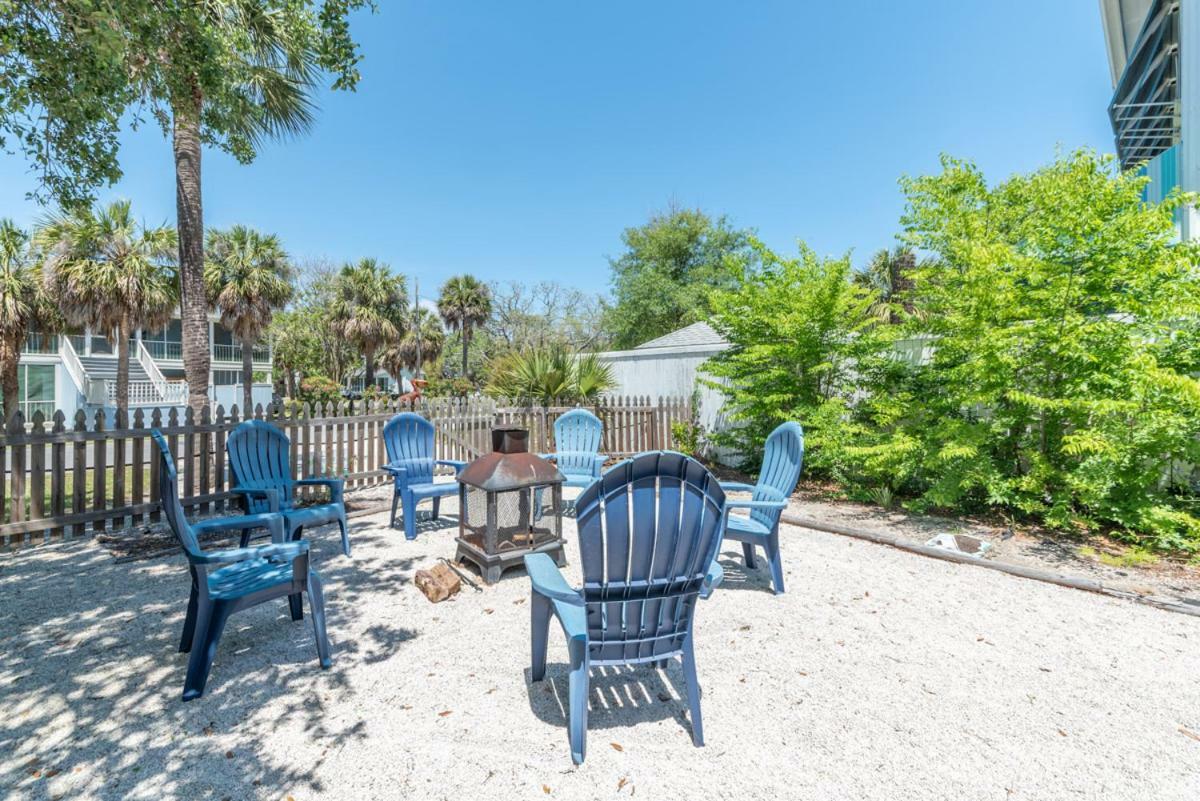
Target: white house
[(669, 367)]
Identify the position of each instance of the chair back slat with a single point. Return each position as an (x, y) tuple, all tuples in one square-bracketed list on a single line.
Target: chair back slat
[(168, 496), (577, 437), (408, 439), (259, 458), (648, 530), (783, 458)]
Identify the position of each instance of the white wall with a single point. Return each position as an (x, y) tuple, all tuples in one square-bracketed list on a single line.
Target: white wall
[(228, 395), (669, 372)]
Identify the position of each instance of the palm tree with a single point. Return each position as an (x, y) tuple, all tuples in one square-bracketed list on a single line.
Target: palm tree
[(889, 274), (423, 335), (465, 304), (248, 276), (551, 374), (108, 272), (368, 308), (23, 307)]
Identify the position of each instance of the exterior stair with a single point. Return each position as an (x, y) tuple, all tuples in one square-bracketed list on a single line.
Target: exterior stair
[(105, 368)]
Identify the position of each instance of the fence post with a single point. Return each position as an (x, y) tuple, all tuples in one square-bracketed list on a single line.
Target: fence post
[(58, 468), (37, 470), (79, 472), (155, 467)]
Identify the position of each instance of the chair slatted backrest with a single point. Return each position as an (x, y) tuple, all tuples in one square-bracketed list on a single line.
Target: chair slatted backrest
[(259, 455), (577, 437), (408, 438), (168, 496), (648, 530), (783, 459)]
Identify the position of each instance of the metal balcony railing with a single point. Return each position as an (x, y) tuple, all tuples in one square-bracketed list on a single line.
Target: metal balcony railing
[(41, 344), (233, 353)]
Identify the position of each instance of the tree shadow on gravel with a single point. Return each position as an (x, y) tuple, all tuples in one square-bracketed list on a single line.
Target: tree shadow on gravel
[(91, 678)]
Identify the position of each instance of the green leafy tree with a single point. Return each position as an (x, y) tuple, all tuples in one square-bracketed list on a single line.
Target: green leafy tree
[(1059, 381), (551, 374), (248, 277), (368, 309), (670, 266), (797, 327), (889, 274), (107, 271), (295, 348), (465, 304), (24, 307), (228, 74), (418, 347)]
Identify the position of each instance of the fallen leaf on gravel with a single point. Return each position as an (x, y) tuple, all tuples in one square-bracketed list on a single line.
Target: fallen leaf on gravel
[(488, 611), (1044, 670), (51, 773), (745, 627), (229, 755), (445, 713), (664, 697), (616, 746), (1062, 733), (518, 601), (1189, 733), (546, 789), (624, 780)]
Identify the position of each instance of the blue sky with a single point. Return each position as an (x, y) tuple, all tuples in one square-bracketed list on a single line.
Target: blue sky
[(518, 139)]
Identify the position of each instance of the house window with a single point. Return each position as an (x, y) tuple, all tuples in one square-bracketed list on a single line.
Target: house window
[(227, 378), (35, 389)]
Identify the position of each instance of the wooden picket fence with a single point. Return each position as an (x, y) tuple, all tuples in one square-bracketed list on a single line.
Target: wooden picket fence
[(65, 481)]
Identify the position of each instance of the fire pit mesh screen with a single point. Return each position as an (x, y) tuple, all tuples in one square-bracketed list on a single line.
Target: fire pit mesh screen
[(518, 523)]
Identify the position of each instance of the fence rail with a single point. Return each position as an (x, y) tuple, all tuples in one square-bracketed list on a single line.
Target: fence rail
[(68, 479)]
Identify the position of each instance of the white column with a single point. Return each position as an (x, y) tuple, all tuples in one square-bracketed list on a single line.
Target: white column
[(1189, 108)]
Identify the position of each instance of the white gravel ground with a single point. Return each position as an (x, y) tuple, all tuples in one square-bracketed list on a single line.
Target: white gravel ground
[(879, 675)]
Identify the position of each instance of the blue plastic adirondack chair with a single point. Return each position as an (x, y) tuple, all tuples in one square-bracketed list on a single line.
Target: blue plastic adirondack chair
[(224, 582), (408, 438), (576, 444), (259, 455), (644, 565), (782, 461)]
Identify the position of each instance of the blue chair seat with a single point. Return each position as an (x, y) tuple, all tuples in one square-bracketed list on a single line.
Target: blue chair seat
[(577, 479), (745, 529), (312, 516), (245, 578), (432, 489)]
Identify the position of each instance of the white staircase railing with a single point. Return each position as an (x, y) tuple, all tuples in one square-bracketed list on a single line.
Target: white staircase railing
[(79, 376)]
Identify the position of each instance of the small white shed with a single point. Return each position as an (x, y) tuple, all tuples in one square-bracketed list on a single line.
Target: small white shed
[(669, 366)]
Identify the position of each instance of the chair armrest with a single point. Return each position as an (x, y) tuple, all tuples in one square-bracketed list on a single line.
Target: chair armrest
[(271, 521), (396, 470), (716, 574), (550, 457), (276, 550), (736, 486), (337, 487), (755, 504), (457, 465), (270, 495), (598, 464), (548, 581)]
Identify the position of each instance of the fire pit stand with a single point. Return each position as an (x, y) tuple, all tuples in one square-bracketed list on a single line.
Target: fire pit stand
[(502, 513)]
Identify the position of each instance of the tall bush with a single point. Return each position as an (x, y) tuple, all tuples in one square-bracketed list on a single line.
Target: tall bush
[(1063, 318)]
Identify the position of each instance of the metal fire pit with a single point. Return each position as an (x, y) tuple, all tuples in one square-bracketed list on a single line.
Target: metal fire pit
[(503, 514)]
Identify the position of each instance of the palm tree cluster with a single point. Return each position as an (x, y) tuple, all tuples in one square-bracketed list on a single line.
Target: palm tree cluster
[(552, 374)]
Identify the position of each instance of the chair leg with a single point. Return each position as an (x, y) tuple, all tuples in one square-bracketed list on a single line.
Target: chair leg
[(693, 691), (316, 603), (748, 553), (296, 606), (210, 623), (298, 534), (246, 532), (776, 562), (578, 699), (437, 506), (395, 503), (345, 534), (539, 618), (189, 621), (410, 517)]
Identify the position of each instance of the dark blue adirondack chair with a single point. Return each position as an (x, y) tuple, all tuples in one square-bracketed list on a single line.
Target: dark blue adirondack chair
[(260, 457), (576, 444), (224, 582), (782, 460), (408, 438), (645, 563)]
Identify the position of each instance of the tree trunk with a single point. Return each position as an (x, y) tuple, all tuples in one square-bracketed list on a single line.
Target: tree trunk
[(10, 359), (369, 377), (124, 331), (466, 338), (190, 224), (247, 374)]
